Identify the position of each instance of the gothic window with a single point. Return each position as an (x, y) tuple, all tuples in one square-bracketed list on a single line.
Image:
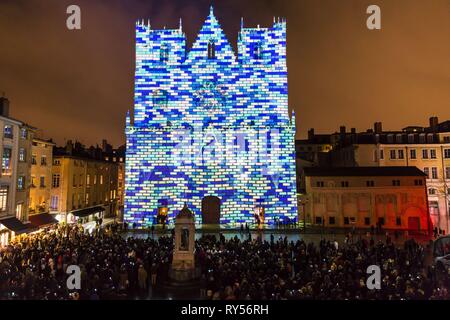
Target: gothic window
[(164, 53), (257, 51), (211, 49), (160, 98)]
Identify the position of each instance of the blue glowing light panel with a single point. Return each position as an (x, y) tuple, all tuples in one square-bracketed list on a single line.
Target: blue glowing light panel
[(209, 122)]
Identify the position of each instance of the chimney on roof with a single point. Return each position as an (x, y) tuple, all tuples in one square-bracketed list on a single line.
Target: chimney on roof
[(353, 130), (69, 147), (434, 123), (4, 106), (342, 130), (378, 127), (311, 134)]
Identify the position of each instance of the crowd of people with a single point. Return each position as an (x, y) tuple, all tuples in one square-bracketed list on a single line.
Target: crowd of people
[(112, 267), (241, 268), (282, 270)]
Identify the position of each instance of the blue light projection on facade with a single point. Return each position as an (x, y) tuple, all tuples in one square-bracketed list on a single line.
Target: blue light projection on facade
[(208, 123)]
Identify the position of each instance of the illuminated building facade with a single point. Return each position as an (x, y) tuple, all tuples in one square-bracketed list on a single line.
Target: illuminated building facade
[(211, 128)]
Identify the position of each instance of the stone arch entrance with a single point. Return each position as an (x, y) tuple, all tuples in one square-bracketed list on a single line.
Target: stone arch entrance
[(211, 210)]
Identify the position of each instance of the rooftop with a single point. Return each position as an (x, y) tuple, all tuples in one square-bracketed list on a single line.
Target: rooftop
[(363, 172)]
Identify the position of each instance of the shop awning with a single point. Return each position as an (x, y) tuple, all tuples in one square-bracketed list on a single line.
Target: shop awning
[(88, 211), (17, 226), (42, 219)]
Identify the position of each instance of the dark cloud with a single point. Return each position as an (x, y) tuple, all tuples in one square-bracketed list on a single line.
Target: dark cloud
[(79, 84)]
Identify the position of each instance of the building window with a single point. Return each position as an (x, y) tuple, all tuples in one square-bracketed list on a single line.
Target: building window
[(367, 221), (447, 172), (3, 198), (33, 159), (87, 199), (42, 182), (211, 49), (381, 154), (55, 180), (392, 154), (331, 220), (381, 221), (101, 179), (412, 154), (43, 160), (401, 154), (56, 162), (160, 99), (164, 53), (344, 184), (88, 180), (19, 211), (426, 170), (257, 51), (410, 138), (398, 221), (431, 191), (434, 173), (319, 184), (396, 183), (370, 183), (21, 183), (95, 179), (8, 131), (24, 133), (22, 157), (33, 181), (424, 154), (318, 220), (433, 153), (418, 182), (6, 162), (54, 203), (447, 153), (422, 138), (81, 180), (346, 220)]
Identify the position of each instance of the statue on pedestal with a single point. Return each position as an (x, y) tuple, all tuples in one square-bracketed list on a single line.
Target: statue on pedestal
[(183, 263)]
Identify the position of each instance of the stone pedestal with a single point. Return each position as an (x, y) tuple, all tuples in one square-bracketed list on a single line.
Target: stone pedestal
[(183, 263)]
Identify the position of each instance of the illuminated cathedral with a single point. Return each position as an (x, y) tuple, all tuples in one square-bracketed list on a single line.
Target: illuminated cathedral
[(211, 128)]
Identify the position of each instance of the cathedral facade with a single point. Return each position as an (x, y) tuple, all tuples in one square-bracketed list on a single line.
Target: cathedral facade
[(211, 128)]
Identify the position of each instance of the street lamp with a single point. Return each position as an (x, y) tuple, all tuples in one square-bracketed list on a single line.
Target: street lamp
[(303, 203)]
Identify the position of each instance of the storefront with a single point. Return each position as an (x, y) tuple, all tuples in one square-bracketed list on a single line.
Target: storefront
[(12, 227), (88, 217), (43, 220)]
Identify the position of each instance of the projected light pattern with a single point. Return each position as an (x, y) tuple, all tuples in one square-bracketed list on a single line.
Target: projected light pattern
[(210, 123)]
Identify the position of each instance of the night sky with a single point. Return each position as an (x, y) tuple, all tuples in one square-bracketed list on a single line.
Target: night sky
[(79, 84)]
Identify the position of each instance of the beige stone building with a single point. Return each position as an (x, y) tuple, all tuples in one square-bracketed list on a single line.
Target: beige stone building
[(16, 140), (394, 197), (83, 189), (427, 148), (41, 176)]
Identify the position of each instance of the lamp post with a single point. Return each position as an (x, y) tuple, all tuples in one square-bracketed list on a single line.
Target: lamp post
[(303, 203)]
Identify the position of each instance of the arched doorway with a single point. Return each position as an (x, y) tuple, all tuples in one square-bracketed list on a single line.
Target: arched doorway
[(211, 210)]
